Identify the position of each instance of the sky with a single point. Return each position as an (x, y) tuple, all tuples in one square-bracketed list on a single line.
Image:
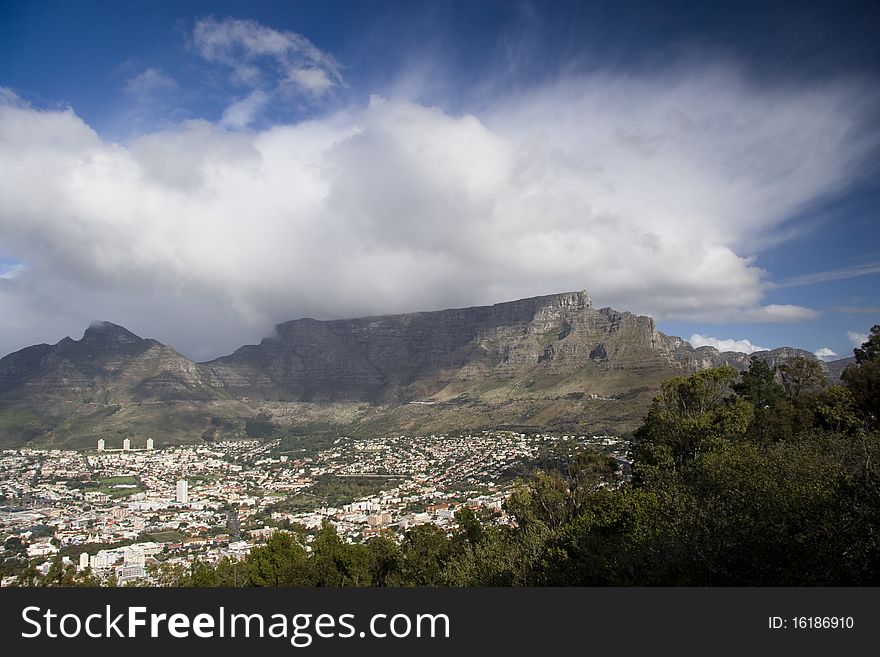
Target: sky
[(200, 171)]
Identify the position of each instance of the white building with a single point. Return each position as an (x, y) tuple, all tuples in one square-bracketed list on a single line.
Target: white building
[(41, 549), (100, 444), (104, 559), (126, 444), (132, 556), (149, 443), (83, 560), (127, 573), (239, 549), (182, 492), (147, 548)]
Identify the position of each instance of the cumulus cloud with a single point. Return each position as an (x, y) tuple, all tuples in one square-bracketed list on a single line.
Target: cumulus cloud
[(729, 344), (825, 353), (149, 82), (648, 191), (857, 339)]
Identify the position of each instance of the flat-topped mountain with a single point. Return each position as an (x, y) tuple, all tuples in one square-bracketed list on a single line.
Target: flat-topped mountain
[(441, 353), (550, 362)]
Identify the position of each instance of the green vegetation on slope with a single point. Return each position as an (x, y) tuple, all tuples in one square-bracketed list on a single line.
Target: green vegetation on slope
[(19, 426)]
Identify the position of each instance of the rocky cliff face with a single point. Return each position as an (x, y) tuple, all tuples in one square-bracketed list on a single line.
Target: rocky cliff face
[(551, 361), (400, 357), (836, 368), (397, 358), (701, 358)]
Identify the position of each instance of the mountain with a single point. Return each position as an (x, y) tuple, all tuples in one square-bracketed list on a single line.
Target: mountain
[(836, 367), (441, 354), (108, 382), (437, 356), (552, 362), (108, 364)]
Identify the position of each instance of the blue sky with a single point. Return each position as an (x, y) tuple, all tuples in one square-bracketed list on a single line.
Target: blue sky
[(199, 171)]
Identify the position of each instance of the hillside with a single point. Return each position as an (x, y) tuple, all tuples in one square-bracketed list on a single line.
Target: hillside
[(553, 363), (110, 384)]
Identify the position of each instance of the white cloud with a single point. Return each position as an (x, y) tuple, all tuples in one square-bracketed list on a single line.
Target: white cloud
[(729, 344), (857, 339), (778, 313), (833, 275), (243, 112), (647, 191), (260, 57), (314, 80), (825, 353), (10, 99), (149, 82)]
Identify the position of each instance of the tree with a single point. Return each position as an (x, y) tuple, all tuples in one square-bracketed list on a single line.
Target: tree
[(801, 376), (758, 386), (618, 541), (15, 546), (384, 561), (425, 553), (553, 497), (863, 379), (869, 352), (503, 557), (541, 502), (836, 409), (470, 529), (280, 562), (336, 563), (690, 415)]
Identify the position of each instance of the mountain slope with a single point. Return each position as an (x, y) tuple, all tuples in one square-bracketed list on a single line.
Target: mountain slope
[(441, 354), (551, 362), (836, 367), (105, 383)]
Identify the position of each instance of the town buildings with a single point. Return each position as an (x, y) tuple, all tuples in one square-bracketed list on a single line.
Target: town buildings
[(122, 513)]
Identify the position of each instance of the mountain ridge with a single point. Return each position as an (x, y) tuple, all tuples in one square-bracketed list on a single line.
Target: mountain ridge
[(551, 362)]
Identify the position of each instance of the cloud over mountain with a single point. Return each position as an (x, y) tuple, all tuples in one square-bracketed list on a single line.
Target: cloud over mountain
[(648, 191), (824, 353), (729, 344)]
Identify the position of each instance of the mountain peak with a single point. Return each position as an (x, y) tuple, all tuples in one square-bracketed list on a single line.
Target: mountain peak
[(108, 332), (577, 300)]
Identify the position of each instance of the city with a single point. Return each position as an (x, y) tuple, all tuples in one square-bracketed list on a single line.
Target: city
[(125, 512)]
